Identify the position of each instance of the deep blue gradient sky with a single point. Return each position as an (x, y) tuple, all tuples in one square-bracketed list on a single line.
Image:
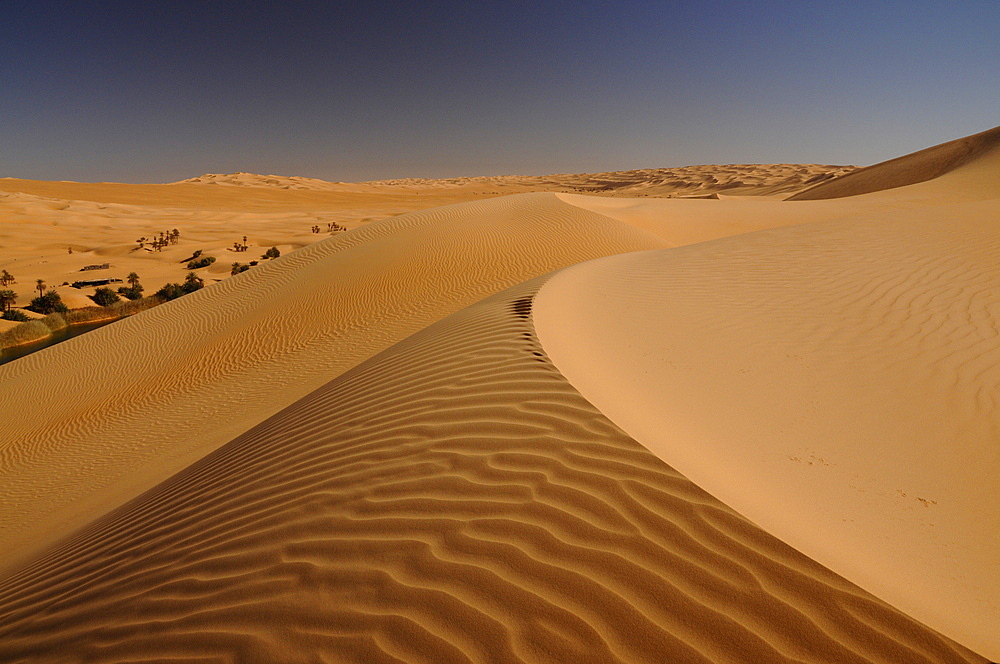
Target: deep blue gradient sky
[(159, 91)]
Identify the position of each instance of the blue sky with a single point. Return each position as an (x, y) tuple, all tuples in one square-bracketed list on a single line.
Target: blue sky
[(153, 92)]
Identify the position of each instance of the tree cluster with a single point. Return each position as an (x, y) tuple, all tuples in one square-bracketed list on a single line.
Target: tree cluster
[(173, 291), (158, 242), (134, 289), (48, 303)]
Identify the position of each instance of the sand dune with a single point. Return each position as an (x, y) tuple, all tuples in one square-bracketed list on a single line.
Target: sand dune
[(348, 454), (452, 499), (979, 151), (688, 181), (835, 382), (144, 397), (40, 222)]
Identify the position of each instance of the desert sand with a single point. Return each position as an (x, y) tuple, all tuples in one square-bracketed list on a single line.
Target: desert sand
[(383, 447)]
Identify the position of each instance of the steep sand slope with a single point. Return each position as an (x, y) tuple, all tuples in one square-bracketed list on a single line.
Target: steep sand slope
[(451, 500), (95, 420), (835, 382), (980, 152)]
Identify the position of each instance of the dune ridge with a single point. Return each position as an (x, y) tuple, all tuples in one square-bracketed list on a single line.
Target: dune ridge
[(200, 370), (914, 168), (840, 392), (452, 499)]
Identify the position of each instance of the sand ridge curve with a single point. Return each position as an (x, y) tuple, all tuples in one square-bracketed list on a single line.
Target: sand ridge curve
[(452, 499), (96, 420), (835, 382), (914, 168)]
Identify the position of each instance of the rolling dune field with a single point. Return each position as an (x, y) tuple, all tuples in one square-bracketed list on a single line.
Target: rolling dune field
[(452, 499), (730, 414)]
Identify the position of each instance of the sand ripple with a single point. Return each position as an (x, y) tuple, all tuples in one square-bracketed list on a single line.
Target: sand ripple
[(452, 499)]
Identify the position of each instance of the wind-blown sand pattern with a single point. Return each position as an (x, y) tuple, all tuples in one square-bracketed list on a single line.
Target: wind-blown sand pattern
[(452, 499), (347, 454), (200, 370), (842, 392)]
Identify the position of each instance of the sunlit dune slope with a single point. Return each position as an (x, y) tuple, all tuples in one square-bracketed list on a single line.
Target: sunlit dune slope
[(452, 499), (979, 152), (834, 382), (97, 419)]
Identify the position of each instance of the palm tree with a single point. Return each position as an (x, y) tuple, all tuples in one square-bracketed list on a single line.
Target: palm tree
[(40, 285), (6, 278), (132, 279), (141, 241), (7, 298)]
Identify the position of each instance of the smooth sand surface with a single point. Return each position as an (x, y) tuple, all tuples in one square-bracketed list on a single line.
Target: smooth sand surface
[(962, 160), (452, 499), (835, 382)]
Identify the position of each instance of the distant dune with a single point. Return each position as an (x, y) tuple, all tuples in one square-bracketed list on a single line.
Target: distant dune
[(980, 151), (688, 181), (500, 420)]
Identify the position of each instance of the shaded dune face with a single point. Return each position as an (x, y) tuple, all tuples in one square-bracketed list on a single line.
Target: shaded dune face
[(913, 168), (452, 499)]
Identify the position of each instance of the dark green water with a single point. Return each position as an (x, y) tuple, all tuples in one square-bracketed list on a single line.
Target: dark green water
[(11, 354)]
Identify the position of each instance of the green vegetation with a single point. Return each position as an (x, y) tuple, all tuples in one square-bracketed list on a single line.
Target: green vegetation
[(134, 289), (204, 261), (48, 303), (36, 330), (238, 267), (158, 242), (7, 298), (271, 253), (105, 297), (15, 315), (6, 278), (173, 291)]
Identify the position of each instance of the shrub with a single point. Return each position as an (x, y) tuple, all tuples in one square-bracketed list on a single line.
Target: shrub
[(105, 297), (15, 314), (24, 333), (131, 292), (192, 282), (238, 267), (271, 253), (204, 261), (170, 292), (48, 304)]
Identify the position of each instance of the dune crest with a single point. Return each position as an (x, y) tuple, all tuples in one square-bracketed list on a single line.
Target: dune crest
[(834, 382), (917, 167), (451, 499), (192, 374)]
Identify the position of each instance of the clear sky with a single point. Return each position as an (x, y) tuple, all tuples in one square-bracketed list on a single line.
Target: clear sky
[(158, 91)]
